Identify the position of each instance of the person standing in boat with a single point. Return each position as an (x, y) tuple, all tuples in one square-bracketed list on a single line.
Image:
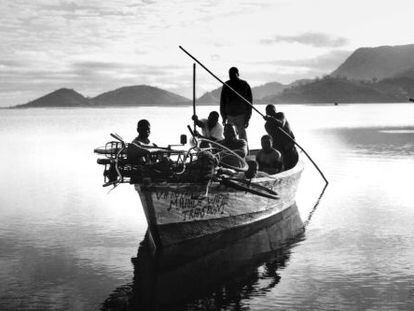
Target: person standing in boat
[(281, 142), (232, 108), (268, 158), (210, 127)]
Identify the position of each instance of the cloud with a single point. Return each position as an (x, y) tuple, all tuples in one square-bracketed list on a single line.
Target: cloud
[(315, 39)]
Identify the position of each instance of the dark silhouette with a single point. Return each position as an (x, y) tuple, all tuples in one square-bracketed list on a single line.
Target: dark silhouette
[(232, 142), (135, 152), (232, 108), (281, 142), (411, 99), (144, 130), (269, 159)]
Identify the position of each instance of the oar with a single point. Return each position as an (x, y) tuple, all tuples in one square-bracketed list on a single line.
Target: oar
[(254, 108), (194, 94)]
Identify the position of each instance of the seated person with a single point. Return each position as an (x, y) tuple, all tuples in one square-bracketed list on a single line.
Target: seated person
[(281, 142), (210, 127), (269, 159), (239, 146), (144, 130), (135, 153)]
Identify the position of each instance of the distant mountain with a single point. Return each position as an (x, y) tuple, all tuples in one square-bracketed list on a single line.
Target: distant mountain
[(331, 90), (59, 98), (210, 97), (139, 95), (300, 82), (400, 86), (259, 92), (268, 89), (377, 63), (405, 74)]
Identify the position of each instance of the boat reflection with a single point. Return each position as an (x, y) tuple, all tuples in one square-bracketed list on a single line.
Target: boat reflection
[(210, 274)]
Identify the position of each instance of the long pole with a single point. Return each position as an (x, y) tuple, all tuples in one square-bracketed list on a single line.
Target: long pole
[(254, 108), (194, 93)]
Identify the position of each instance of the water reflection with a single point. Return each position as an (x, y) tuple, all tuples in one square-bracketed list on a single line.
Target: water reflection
[(380, 141), (188, 277)]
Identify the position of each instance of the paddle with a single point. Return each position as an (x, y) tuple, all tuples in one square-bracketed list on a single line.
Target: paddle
[(254, 108)]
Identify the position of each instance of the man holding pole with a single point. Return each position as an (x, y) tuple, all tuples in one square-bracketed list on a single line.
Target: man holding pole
[(234, 109)]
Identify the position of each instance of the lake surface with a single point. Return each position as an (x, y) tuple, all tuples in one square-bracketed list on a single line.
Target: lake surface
[(66, 243)]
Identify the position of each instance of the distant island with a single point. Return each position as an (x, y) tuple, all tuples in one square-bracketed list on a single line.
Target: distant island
[(368, 75)]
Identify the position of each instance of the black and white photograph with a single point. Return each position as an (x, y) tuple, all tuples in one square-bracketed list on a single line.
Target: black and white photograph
[(206, 155)]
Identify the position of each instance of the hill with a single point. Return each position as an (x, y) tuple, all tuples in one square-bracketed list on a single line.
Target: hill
[(400, 86), (376, 63), (139, 95), (268, 89), (59, 98), (210, 97), (332, 89)]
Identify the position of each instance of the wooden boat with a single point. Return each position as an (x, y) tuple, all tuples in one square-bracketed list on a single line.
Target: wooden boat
[(180, 212), (190, 208), (182, 204)]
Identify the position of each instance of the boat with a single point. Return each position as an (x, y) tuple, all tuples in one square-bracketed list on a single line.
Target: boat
[(186, 211), (202, 190), (183, 203)]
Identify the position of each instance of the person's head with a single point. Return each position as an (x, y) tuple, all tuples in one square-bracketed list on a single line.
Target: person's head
[(233, 73), (213, 117), (266, 142), (229, 132), (270, 110), (143, 128)]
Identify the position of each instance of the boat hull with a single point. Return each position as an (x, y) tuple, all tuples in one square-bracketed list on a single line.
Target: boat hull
[(177, 213)]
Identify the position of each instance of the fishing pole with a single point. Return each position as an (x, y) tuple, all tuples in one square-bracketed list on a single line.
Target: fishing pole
[(255, 109)]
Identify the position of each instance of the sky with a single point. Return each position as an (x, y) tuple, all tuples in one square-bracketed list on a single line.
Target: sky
[(98, 46)]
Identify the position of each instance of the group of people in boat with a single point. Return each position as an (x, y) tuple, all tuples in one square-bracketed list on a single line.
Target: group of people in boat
[(278, 150)]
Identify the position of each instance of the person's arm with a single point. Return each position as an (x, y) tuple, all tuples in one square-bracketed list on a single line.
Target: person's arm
[(242, 149), (197, 121), (278, 162), (223, 102), (249, 97), (281, 118), (273, 121), (259, 161)]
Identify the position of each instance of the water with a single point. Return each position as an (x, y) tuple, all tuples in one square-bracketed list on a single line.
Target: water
[(66, 244)]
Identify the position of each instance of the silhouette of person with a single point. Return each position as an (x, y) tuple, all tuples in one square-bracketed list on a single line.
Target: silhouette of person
[(269, 159), (136, 151), (144, 130), (232, 108), (281, 142)]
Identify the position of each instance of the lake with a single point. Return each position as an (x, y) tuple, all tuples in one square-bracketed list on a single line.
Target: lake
[(66, 243)]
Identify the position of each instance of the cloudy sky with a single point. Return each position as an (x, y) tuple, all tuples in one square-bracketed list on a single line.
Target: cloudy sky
[(96, 46)]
